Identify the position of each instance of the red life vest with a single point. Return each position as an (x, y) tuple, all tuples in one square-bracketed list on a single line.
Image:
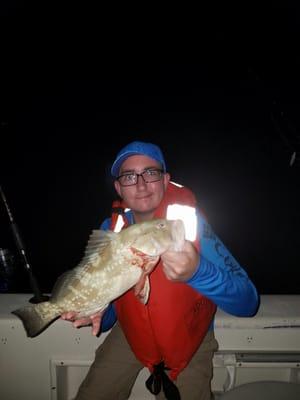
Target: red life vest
[(172, 325)]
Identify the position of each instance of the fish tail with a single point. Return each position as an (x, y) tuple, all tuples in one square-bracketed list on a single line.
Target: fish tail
[(37, 317)]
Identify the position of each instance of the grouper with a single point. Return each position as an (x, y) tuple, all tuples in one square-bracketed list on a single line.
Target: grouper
[(112, 264)]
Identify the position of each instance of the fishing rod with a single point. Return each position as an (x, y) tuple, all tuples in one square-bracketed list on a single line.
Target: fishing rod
[(38, 296)]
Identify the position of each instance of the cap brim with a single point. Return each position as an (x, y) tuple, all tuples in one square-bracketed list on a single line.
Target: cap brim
[(119, 161)]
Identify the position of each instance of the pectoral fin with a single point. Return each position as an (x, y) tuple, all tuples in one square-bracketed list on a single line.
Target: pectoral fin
[(142, 289)]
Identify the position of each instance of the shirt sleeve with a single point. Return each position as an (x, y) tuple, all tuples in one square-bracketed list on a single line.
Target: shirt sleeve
[(220, 277), (109, 318)]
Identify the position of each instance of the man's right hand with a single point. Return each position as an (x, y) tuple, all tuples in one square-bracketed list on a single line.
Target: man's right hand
[(94, 320)]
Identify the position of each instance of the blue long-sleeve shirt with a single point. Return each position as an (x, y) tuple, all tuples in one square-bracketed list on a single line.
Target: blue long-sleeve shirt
[(219, 277)]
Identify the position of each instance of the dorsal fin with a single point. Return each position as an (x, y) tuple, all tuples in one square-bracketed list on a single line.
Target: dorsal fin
[(97, 242)]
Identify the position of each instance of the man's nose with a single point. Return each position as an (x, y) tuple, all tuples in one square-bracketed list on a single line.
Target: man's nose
[(140, 181)]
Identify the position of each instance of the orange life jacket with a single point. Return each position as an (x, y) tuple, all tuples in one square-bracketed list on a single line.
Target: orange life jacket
[(172, 325)]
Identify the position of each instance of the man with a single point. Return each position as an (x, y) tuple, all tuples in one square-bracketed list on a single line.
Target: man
[(172, 335)]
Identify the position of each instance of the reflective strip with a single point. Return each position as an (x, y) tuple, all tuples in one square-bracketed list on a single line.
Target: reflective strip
[(119, 225), (176, 184), (188, 216)]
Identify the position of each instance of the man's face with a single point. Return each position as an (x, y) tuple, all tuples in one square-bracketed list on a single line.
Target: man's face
[(142, 198)]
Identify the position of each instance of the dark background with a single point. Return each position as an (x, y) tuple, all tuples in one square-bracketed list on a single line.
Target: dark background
[(218, 90)]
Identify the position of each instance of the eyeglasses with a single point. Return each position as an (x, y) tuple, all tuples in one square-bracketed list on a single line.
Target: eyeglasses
[(149, 176)]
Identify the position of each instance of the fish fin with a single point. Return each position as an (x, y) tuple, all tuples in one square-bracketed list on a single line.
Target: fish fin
[(37, 317), (142, 289), (97, 242), (100, 238)]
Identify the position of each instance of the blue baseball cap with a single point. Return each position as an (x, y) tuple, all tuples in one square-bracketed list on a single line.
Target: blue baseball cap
[(135, 148)]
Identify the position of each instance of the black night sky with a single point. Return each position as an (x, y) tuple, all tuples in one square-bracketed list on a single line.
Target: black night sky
[(222, 102)]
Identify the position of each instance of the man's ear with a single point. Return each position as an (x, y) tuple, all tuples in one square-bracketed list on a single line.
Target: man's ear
[(166, 178), (117, 187)]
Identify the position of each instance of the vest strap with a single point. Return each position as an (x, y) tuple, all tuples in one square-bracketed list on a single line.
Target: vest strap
[(159, 379)]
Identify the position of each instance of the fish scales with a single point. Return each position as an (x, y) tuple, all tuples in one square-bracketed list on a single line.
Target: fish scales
[(112, 264)]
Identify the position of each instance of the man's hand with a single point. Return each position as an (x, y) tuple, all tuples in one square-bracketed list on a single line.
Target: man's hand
[(181, 265), (94, 320)]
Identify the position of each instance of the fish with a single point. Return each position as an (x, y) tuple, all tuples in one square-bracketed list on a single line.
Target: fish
[(112, 264)]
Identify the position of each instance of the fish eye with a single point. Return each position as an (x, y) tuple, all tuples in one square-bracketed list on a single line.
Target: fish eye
[(161, 225)]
